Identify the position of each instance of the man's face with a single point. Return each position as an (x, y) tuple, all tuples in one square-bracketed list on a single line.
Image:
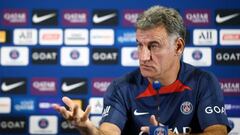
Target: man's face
[(157, 52)]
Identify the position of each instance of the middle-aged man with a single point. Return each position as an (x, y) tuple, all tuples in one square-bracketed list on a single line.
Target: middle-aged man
[(163, 91)]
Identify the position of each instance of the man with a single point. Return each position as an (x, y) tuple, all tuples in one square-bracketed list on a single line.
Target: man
[(189, 100)]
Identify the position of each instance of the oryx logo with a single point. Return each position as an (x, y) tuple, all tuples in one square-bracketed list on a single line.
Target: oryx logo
[(14, 85), (105, 17), (227, 17), (44, 17), (74, 85)]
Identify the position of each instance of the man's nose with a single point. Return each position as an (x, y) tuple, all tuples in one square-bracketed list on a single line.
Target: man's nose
[(144, 54)]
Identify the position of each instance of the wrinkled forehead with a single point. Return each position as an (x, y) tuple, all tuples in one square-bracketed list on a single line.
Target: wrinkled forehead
[(153, 34)]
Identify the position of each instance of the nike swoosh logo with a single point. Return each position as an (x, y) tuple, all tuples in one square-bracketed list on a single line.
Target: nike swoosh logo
[(140, 113), (67, 88), (97, 19), (9, 87), (223, 19), (38, 19)]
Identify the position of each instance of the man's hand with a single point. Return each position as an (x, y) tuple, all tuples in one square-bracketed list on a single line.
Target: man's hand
[(75, 115)]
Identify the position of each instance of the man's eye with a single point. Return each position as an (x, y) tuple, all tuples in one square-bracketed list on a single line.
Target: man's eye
[(152, 46)]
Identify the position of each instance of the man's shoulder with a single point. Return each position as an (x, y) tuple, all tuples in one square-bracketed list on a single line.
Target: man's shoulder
[(132, 77)]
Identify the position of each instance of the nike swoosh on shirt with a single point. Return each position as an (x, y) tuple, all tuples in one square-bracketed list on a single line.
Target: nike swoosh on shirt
[(67, 88), (97, 19), (222, 19), (9, 87), (140, 113), (38, 19)]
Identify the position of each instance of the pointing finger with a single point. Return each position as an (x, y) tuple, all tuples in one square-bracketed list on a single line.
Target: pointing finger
[(68, 102)]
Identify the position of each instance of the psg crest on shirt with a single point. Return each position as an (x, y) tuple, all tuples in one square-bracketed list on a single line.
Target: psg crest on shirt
[(186, 107)]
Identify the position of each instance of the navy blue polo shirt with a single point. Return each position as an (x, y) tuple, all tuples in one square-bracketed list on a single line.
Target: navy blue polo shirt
[(190, 104)]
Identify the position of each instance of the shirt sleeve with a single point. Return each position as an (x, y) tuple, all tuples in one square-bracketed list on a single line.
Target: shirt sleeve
[(211, 109), (114, 107)]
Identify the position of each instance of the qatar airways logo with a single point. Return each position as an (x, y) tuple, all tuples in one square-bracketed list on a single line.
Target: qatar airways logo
[(130, 17), (197, 17), (14, 17), (74, 17), (230, 86), (100, 85), (43, 86)]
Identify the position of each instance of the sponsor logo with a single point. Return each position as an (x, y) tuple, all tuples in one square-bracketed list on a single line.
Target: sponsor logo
[(106, 111), (75, 17), (5, 105), (13, 125), (96, 120), (235, 125), (44, 86), (129, 56), (67, 127), (227, 56), (136, 113), (232, 106), (214, 109), (230, 86), (105, 56), (24, 105), (13, 17), (184, 130), (14, 85), (50, 36), (76, 37), (130, 17), (4, 36), (205, 37), (96, 105), (74, 85), (45, 17), (105, 17), (44, 56), (186, 108), (126, 37), (227, 17), (197, 17), (229, 37), (74, 56), (100, 85), (45, 105), (25, 37), (14, 56), (101, 37), (43, 124), (198, 56)]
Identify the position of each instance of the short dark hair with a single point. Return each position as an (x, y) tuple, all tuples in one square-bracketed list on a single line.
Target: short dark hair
[(162, 16)]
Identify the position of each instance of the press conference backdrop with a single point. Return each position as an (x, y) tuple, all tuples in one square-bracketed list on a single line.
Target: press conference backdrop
[(75, 48)]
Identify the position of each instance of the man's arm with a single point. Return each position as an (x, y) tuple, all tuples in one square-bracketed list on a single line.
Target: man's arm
[(80, 119)]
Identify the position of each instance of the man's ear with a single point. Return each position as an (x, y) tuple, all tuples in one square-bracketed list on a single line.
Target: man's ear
[(180, 43)]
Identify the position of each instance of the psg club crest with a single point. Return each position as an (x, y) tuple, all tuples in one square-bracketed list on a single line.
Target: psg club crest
[(186, 107), (158, 130)]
